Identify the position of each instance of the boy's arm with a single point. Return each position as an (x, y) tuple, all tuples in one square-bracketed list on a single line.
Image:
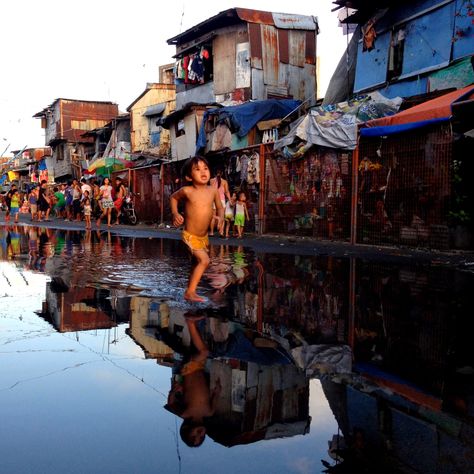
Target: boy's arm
[(178, 219), (219, 211)]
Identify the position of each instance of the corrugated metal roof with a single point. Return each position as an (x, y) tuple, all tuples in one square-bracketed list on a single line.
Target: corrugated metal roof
[(156, 109), (236, 15), (288, 21)]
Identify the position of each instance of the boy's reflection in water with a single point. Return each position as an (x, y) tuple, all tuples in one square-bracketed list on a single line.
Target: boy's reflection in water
[(190, 396)]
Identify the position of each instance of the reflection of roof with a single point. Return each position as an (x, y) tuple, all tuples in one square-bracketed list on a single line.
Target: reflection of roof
[(432, 111)]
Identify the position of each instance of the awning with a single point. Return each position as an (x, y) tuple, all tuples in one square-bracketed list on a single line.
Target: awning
[(430, 112), (155, 110)]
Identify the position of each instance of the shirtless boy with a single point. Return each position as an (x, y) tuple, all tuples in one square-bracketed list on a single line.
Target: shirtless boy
[(198, 213)]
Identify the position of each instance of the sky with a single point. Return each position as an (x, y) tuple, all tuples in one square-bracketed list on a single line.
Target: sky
[(108, 50)]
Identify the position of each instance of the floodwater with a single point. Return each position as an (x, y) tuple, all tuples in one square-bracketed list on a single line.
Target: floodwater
[(296, 364)]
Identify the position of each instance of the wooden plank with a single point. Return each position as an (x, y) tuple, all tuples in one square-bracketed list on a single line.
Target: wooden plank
[(224, 63), (220, 370), (310, 48)]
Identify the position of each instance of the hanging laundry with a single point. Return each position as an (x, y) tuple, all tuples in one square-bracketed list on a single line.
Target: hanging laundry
[(369, 35), (253, 169), (244, 163)]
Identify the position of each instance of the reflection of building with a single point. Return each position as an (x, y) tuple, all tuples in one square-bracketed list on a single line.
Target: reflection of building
[(146, 315), (71, 309), (258, 402)]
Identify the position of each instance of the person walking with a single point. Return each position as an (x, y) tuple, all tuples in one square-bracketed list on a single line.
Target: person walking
[(241, 213), (222, 186), (44, 202), (120, 193), (106, 202)]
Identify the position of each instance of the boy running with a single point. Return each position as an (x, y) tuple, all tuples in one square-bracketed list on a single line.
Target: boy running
[(198, 213)]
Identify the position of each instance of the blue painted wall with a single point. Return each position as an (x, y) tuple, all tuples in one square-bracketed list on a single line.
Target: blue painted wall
[(432, 41)]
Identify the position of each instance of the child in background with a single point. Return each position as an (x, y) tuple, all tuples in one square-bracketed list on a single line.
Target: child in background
[(87, 206), (15, 204), (241, 213), (229, 213), (33, 200), (198, 213)]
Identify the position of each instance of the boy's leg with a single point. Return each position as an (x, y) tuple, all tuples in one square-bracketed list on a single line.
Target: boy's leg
[(202, 262)]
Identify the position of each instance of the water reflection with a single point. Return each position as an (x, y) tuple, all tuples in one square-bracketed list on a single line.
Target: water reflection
[(389, 343)]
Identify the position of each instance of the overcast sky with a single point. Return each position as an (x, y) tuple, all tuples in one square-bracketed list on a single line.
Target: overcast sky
[(109, 50)]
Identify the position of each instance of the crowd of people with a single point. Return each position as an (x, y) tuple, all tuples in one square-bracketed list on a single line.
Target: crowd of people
[(76, 200)]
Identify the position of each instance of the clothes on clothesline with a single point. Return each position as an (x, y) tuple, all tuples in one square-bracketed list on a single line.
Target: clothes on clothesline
[(191, 68)]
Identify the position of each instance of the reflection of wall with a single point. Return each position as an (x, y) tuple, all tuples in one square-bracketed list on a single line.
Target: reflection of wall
[(70, 313), (258, 402), (145, 318)]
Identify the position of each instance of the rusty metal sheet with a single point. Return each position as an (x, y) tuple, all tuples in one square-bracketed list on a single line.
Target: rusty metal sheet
[(310, 47), (283, 75), (310, 83), (270, 55), (255, 38), (297, 47), (283, 47), (224, 63), (295, 88), (255, 16), (295, 22), (258, 88)]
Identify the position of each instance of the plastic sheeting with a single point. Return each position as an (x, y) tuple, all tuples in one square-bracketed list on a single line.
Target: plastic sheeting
[(242, 118), (320, 359), (335, 126)]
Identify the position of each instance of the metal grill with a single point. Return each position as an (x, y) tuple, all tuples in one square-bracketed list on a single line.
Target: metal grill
[(310, 195), (404, 188)]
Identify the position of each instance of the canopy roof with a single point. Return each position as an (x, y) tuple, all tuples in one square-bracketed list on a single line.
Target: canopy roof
[(432, 111)]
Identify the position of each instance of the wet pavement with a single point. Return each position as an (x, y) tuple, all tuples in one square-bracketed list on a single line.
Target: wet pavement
[(296, 363)]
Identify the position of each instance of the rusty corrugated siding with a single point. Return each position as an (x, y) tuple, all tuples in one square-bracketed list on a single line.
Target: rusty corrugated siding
[(270, 55), (224, 63), (283, 47), (310, 54), (78, 117), (296, 46), (255, 37)]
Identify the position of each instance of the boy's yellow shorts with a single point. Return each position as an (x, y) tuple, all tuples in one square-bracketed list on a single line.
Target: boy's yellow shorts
[(194, 242)]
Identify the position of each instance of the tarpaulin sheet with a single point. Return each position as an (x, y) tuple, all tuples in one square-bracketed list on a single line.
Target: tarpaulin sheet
[(429, 112), (242, 118), (335, 126)]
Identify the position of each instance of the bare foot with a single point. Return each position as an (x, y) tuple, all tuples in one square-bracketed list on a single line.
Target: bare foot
[(193, 296)]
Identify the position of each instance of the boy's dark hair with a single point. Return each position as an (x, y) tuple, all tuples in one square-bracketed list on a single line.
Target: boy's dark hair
[(55, 189), (190, 162), (185, 432)]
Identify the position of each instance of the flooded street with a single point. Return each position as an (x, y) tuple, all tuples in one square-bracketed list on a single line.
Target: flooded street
[(296, 364)]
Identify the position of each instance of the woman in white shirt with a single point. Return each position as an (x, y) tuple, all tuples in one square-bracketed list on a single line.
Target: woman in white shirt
[(107, 203)]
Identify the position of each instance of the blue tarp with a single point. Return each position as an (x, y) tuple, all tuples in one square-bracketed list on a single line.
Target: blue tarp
[(242, 118), (394, 129)]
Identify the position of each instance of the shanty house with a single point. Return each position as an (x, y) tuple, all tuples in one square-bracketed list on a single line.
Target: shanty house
[(241, 54), (65, 122), (146, 136)]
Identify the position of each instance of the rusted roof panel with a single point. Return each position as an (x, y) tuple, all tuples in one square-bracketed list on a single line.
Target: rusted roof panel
[(295, 22), (283, 46), (234, 16), (255, 16)]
